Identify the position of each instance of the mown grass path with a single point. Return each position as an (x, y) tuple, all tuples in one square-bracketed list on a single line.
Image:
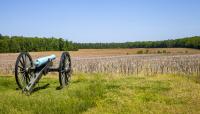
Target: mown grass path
[(101, 93)]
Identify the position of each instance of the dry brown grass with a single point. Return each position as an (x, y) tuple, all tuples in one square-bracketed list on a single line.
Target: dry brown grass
[(7, 60), (140, 64)]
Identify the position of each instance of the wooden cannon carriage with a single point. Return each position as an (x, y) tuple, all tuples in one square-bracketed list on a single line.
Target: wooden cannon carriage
[(29, 72)]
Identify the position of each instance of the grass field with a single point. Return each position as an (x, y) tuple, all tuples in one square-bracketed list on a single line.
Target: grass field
[(103, 93), (154, 90)]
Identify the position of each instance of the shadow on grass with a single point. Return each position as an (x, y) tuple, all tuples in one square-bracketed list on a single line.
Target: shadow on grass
[(154, 86), (34, 89), (39, 88)]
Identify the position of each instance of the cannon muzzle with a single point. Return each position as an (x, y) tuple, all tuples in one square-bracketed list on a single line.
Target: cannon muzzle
[(41, 61)]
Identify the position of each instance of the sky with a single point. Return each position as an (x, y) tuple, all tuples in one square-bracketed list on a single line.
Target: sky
[(101, 20)]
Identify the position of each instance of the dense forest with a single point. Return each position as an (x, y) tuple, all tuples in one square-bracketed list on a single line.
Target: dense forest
[(20, 44), (190, 42)]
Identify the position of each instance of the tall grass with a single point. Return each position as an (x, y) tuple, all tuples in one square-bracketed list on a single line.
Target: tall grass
[(137, 64), (150, 64)]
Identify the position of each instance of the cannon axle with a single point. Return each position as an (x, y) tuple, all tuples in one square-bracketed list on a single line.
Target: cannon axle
[(28, 73)]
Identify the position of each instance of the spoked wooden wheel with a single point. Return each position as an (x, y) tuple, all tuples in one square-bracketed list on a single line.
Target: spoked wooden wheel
[(23, 73), (64, 69)]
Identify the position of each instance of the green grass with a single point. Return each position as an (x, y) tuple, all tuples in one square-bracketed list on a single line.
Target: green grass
[(101, 93)]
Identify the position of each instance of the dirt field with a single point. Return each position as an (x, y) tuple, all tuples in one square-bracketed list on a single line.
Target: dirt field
[(116, 52), (105, 52)]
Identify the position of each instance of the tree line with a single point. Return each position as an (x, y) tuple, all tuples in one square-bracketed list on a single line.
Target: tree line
[(23, 44), (190, 42), (12, 44)]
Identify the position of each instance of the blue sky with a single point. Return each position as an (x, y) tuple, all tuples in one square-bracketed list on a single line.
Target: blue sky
[(101, 20)]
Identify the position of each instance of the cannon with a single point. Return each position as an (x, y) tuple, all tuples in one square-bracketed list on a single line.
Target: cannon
[(29, 72)]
